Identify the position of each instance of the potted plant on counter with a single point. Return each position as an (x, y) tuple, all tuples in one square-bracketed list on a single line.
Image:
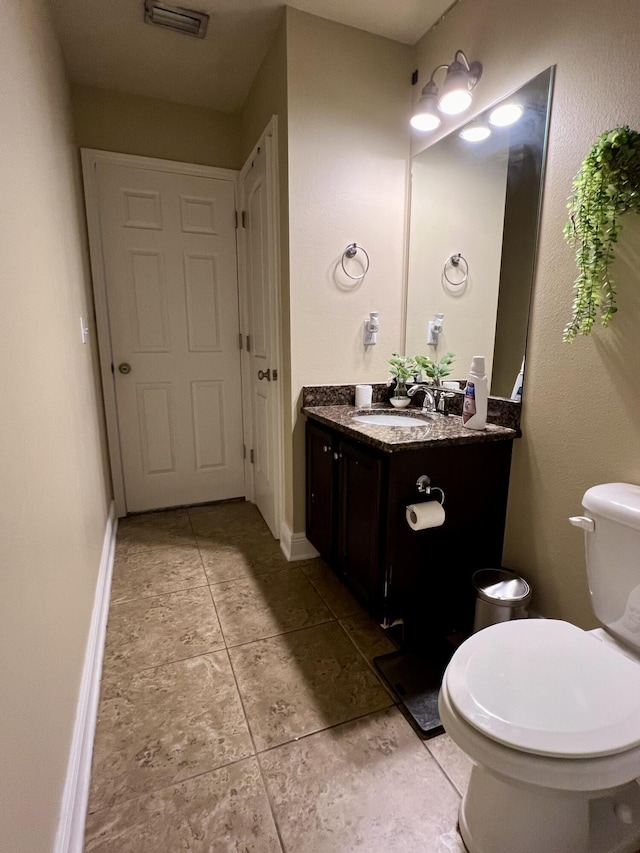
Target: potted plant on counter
[(403, 368), (435, 371)]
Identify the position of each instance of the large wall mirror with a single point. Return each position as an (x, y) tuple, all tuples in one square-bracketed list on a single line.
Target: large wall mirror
[(475, 205)]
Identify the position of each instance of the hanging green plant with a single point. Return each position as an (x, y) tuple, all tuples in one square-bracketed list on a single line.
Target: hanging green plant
[(607, 185)]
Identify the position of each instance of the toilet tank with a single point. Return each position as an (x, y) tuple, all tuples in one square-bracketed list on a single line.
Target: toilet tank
[(613, 558)]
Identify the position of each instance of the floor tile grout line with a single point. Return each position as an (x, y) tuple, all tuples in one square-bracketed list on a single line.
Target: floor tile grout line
[(328, 728), (443, 769), (255, 749), (131, 672), (287, 570), (256, 754), (326, 601), (250, 577), (396, 700), (248, 723), (193, 657), (225, 646), (281, 633), (270, 802), (158, 594), (174, 784), (143, 549), (215, 610)]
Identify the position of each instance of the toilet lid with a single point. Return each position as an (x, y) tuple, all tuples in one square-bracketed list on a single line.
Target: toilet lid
[(545, 686)]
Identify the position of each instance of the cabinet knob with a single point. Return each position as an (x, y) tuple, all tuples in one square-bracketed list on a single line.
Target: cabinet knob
[(325, 448), (335, 455)]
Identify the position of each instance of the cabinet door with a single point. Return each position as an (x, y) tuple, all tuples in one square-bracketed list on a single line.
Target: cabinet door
[(430, 570), (321, 490), (360, 490)]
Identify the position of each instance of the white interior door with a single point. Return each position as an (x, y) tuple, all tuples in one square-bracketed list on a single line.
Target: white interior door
[(170, 270), (261, 311)]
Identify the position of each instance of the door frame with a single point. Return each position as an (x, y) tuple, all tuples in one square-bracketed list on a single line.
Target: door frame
[(269, 141), (91, 157)]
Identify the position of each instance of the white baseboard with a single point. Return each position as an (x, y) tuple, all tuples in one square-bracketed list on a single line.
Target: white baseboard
[(295, 546), (70, 834)]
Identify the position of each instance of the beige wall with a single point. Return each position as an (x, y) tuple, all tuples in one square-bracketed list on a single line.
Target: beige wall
[(581, 412), (349, 101), (54, 498), (151, 127)]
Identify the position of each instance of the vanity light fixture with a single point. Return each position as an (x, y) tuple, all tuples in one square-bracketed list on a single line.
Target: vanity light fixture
[(185, 21), (460, 79), (476, 131), (505, 114)]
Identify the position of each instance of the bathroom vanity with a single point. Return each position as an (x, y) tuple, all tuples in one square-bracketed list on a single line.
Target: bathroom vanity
[(360, 479)]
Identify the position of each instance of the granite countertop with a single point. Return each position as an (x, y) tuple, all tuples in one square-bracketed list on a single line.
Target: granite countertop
[(433, 429)]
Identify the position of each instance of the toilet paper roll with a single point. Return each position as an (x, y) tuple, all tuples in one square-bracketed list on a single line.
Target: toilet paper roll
[(364, 395), (425, 515)]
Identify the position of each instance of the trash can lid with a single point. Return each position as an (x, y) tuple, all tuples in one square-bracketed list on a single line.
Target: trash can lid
[(501, 586)]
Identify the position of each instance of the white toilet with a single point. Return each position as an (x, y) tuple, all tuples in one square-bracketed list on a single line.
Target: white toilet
[(550, 714)]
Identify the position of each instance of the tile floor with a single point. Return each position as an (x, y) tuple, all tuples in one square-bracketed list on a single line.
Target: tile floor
[(239, 710)]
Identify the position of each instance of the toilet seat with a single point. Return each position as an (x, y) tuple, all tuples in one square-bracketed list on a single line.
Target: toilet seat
[(546, 687)]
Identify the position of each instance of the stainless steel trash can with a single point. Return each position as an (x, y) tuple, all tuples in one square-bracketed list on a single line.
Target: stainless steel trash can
[(501, 595)]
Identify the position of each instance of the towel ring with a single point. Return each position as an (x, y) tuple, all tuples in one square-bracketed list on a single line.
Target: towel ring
[(350, 252), (454, 261)]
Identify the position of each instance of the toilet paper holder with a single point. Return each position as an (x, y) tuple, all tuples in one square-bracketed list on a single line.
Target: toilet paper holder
[(423, 484)]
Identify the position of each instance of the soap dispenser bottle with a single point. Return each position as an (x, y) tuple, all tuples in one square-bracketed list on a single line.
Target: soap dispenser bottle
[(474, 409), (516, 394)]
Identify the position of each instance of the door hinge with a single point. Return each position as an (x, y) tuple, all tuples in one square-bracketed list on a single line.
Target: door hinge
[(244, 218), (274, 374), (240, 339), (253, 457), (244, 451), (236, 216), (248, 343), (113, 370)]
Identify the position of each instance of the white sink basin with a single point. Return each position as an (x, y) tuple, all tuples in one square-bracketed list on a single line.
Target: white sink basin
[(390, 420)]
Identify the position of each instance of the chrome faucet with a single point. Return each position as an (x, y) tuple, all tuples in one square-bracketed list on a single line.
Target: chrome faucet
[(429, 402)]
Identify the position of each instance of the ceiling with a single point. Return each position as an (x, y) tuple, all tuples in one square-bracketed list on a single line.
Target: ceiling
[(107, 44)]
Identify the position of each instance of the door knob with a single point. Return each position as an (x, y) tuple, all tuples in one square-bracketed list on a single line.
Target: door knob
[(265, 374), (124, 367)]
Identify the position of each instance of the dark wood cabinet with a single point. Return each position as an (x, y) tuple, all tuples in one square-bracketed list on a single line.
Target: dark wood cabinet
[(343, 513), (356, 502), (322, 455), (360, 522)]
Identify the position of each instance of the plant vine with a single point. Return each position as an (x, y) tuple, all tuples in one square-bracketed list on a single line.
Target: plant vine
[(607, 185)]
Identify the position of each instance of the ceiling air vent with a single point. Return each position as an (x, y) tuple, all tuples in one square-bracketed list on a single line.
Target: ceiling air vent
[(176, 18)]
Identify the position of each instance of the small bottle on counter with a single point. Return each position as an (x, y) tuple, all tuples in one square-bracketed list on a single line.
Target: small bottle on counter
[(474, 409), (516, 394)]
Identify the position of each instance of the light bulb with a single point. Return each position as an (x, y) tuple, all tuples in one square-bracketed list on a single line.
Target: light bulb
[(506, 114), (426, 115), (455, 101), (456, 96), (475, 132), (425, 121)]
